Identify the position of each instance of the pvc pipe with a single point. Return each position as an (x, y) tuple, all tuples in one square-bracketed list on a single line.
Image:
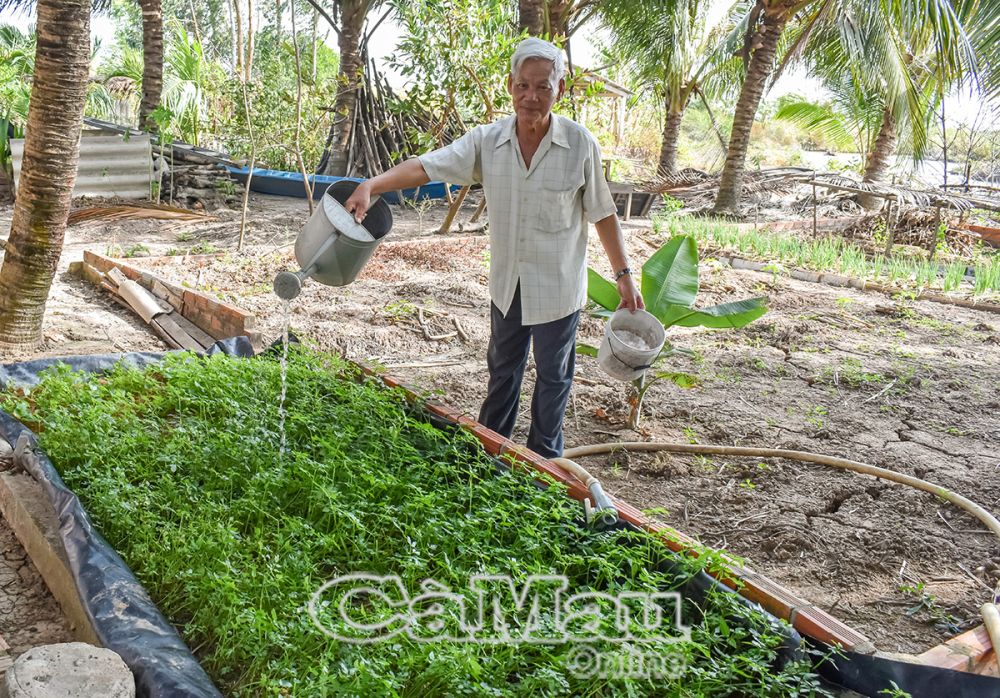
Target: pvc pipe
[(958, 500)]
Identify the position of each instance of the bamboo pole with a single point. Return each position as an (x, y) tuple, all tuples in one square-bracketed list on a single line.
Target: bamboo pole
[(890, 228)]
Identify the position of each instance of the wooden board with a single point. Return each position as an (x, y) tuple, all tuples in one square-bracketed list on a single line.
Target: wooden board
[(116, 276), (160, 332), (162, 291), (971, 651), (180, 337), (91, 274), (199, 335)]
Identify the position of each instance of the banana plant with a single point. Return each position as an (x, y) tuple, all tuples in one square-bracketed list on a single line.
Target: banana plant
[(669, 285)]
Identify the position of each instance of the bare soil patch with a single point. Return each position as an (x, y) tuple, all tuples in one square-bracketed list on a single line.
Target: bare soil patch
[(910, 386), (29, 615)]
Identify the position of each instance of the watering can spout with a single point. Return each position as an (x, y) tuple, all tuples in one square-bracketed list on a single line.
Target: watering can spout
[(333, 247), (288, 284)]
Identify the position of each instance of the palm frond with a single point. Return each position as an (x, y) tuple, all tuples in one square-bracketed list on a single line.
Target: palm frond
[(821, 120)]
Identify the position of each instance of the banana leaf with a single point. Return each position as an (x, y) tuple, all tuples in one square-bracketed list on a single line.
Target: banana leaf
[(670, 276), (725, 315)]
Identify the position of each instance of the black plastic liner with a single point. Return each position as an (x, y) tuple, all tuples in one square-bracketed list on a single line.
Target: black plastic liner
[(127, 621), (869, 675), (25, 374)]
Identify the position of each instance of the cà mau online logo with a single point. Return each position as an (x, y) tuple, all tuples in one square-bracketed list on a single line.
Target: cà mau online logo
[(366, 608)]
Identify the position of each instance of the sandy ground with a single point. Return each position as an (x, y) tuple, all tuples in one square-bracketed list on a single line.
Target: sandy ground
[(911, 386)]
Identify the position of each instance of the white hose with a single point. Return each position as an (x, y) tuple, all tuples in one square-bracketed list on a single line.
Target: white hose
[(958, 500), (576, 470), (989, 611)]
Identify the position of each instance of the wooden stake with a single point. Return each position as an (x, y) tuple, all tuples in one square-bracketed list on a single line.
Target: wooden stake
[(890, 229), (814, 211), (479, 210), (453, 210)]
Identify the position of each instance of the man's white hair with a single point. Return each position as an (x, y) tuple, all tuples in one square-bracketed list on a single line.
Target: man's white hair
[(533, 47)]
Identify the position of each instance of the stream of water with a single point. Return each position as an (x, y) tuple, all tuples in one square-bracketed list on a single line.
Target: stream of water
[(284, 375)]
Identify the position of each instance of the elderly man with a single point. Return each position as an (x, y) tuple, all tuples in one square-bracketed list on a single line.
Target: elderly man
[(541, 175)]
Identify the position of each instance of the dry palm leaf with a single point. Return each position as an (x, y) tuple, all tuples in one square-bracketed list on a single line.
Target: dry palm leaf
[(118, 213)]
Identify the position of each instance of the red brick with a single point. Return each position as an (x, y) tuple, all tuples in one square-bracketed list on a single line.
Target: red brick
[(817, 623)]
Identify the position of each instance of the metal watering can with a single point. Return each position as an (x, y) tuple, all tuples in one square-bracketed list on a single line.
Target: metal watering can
[(333, 247)]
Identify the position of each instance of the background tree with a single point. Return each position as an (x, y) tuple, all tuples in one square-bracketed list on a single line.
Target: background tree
[(928, 22), (551, 18), (892, 66), (352, 15), (681, 53), (48, 172), (461, 71), (757, 38)]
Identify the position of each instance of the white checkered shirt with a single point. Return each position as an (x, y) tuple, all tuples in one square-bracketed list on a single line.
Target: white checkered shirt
[(538, 215)]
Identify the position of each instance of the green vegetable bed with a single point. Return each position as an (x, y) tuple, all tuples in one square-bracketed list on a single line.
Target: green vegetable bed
[(179, 467)]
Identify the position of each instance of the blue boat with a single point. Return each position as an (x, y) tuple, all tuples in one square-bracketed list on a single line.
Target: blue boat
[(290, 184)]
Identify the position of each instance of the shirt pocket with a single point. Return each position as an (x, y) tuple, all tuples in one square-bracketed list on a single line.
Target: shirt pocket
[(558, 205)]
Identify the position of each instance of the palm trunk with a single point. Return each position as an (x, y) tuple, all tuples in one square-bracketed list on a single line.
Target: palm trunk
[(48, 170), (559, 13), (671, 136), (152, 62), (880, 158), (531, 16), (352, 14), (758, 71)]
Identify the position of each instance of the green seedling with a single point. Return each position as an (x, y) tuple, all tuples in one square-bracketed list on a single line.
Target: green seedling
[(178, 467)]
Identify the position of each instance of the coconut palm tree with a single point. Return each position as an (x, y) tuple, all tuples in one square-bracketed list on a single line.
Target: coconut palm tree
[(885, 50), (48, 171), (984, 34), (870, 110), (152, 55), (680, 55), (17, 63), (152, 37), (549, 17), (916, 65)]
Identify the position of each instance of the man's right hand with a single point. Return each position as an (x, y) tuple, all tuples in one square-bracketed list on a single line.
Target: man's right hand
[(358, 202)]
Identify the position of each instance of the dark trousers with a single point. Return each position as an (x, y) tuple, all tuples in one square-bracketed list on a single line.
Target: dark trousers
[(507, 356)]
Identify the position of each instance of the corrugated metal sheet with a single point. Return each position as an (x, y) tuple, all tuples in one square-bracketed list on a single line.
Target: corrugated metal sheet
[(109, 166), (181, 150)]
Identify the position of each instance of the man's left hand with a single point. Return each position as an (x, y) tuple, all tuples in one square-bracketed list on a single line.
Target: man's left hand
[(629, 292)]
